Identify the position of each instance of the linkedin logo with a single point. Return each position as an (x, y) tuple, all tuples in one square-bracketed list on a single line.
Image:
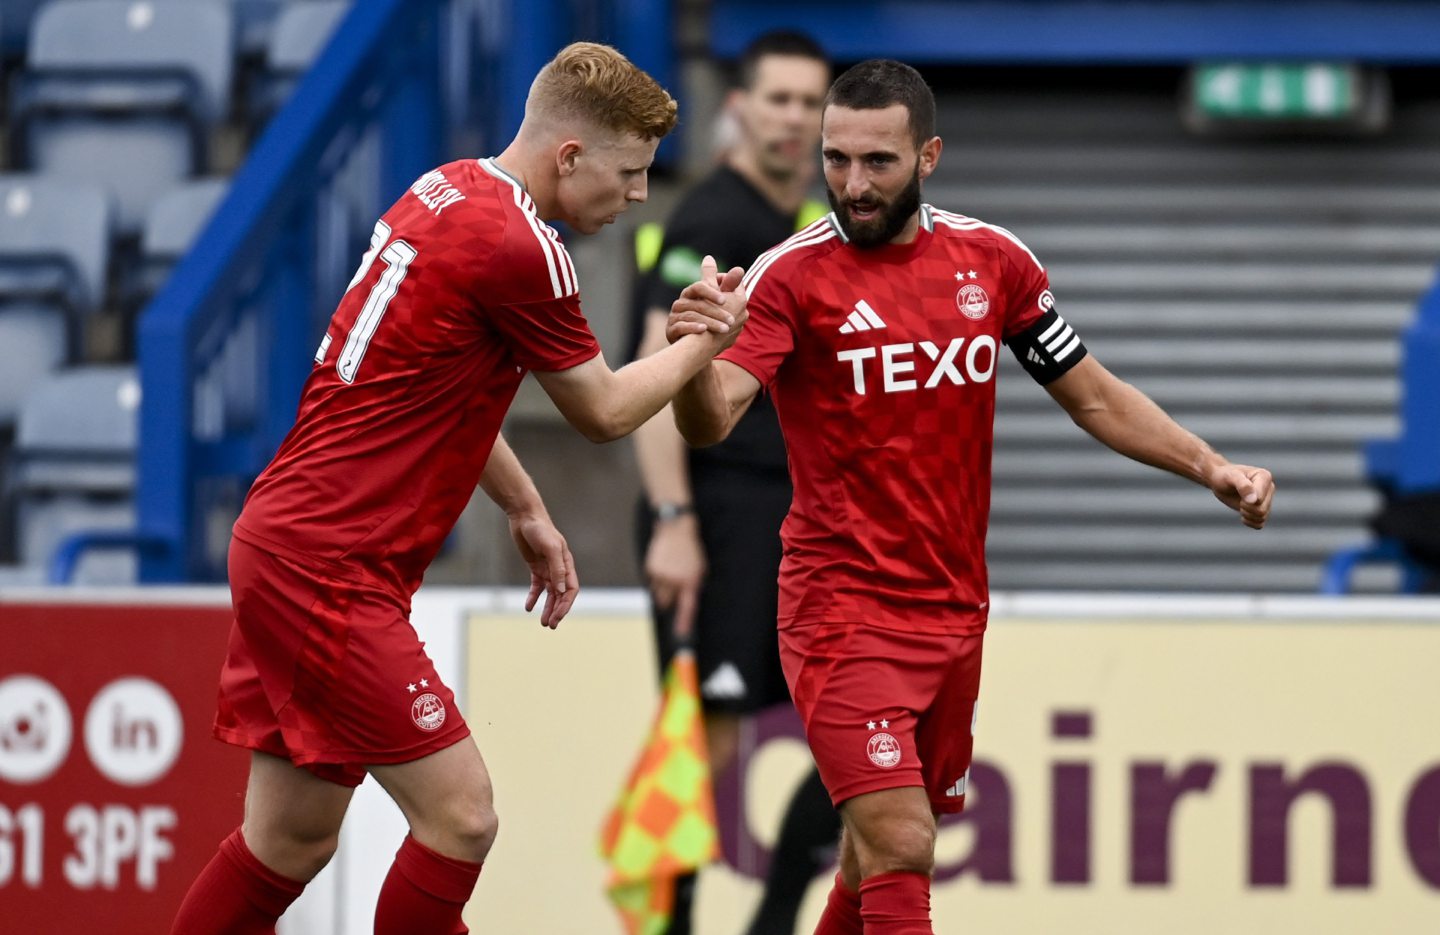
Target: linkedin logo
[(133, 730)]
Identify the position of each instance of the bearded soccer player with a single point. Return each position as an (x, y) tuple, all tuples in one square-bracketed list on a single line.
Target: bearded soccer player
[(464, 289), (876, 330), (710, 529)]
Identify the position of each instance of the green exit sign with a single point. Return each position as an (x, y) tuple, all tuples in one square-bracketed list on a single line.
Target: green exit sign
[(1277, 91)]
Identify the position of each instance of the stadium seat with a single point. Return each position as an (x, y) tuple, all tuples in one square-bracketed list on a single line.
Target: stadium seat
[(54, 258), (297, 39), (73, 467), (171, 225), (55, 238), (33, 343), (254, 20), (142, 82), (1406, 469)]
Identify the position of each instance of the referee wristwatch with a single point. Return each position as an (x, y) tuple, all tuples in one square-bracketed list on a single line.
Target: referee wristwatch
[(668, 511)]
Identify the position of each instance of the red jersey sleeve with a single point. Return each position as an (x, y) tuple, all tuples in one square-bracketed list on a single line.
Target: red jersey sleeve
[(532, 298), (548, 335), (1027, 284), (769, 334)]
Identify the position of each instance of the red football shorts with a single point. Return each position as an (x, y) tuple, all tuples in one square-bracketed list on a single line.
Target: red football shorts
[(884, 709), (326, 673)]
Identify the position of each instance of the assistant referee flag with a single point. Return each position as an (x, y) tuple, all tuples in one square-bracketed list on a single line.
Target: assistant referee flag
[(664, 823)]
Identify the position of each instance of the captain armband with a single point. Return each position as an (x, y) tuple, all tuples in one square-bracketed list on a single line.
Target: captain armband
[(1048, 348)]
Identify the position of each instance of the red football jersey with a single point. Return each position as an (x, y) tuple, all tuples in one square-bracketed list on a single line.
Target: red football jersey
[(882, 365), (463, 290)]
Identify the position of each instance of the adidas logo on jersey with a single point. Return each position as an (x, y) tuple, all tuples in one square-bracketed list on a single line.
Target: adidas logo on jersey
[(958, 789), (863, 318), (1034, 357), (724, 682)]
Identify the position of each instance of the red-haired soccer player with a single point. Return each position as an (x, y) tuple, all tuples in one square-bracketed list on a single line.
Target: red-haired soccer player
[(465, 288)]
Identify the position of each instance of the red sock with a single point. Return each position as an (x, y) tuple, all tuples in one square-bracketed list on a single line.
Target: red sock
[(424, 893), (896, 904), (235, 895), (842, 911)]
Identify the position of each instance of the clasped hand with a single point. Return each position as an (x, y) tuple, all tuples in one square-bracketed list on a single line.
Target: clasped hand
[(715, 305)]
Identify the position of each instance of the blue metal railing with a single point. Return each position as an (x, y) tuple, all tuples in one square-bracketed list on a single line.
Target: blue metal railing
[(257, 256), (259, 263)]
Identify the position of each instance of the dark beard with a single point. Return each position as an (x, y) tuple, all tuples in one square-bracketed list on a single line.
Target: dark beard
[(890, 222)]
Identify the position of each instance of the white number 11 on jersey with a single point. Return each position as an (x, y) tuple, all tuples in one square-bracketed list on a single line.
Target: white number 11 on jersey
[(397, 256)]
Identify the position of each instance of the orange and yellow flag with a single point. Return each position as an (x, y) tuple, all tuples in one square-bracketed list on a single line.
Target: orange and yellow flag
[(664, 823)]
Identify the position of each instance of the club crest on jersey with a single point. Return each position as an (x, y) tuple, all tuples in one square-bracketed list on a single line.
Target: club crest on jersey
[(428, 712), (884, 750), (973, 301)]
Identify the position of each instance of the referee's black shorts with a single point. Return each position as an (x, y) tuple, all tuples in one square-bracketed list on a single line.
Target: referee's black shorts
[(735, 640)]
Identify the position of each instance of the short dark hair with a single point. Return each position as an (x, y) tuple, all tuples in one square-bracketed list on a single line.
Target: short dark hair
[(882, 82), (781, 42)]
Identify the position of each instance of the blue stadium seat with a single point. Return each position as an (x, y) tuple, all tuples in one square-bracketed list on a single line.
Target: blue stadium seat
[(142, 82), (54, 259), (1408, 465), (73, 469)]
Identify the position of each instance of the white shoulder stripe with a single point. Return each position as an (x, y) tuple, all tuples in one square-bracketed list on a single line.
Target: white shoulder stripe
[(816, 233), (563, 280), (961, 222), (567, 267)]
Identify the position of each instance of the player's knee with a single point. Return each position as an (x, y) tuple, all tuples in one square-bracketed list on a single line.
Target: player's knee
[(297, 851), (898, 843), (469, 826)]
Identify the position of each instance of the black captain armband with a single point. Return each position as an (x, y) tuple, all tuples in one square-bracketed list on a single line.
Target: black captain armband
[(1048, 348)]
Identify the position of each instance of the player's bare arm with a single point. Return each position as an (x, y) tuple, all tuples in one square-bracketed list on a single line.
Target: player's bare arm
[(1129, 422), (604, 404), (675, 562), (708, 407), (544, 549)]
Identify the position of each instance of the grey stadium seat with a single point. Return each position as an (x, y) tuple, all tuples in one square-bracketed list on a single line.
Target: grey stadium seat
[(54, 254), (299, 36), (171, 226), (125, 92), (65, 226), (33, 343), (74, 466), (254, 20)]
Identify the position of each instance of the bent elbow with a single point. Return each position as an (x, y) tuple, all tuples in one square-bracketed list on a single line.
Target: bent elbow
[(601, 431), (700, 436), (606, 426), (596, 426)]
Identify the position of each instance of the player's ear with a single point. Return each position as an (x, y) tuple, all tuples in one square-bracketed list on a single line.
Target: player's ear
[(734, 101), (930, 156), (567, 155)]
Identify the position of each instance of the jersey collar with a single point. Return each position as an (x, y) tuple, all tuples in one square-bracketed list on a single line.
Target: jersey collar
[(493, 168)]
